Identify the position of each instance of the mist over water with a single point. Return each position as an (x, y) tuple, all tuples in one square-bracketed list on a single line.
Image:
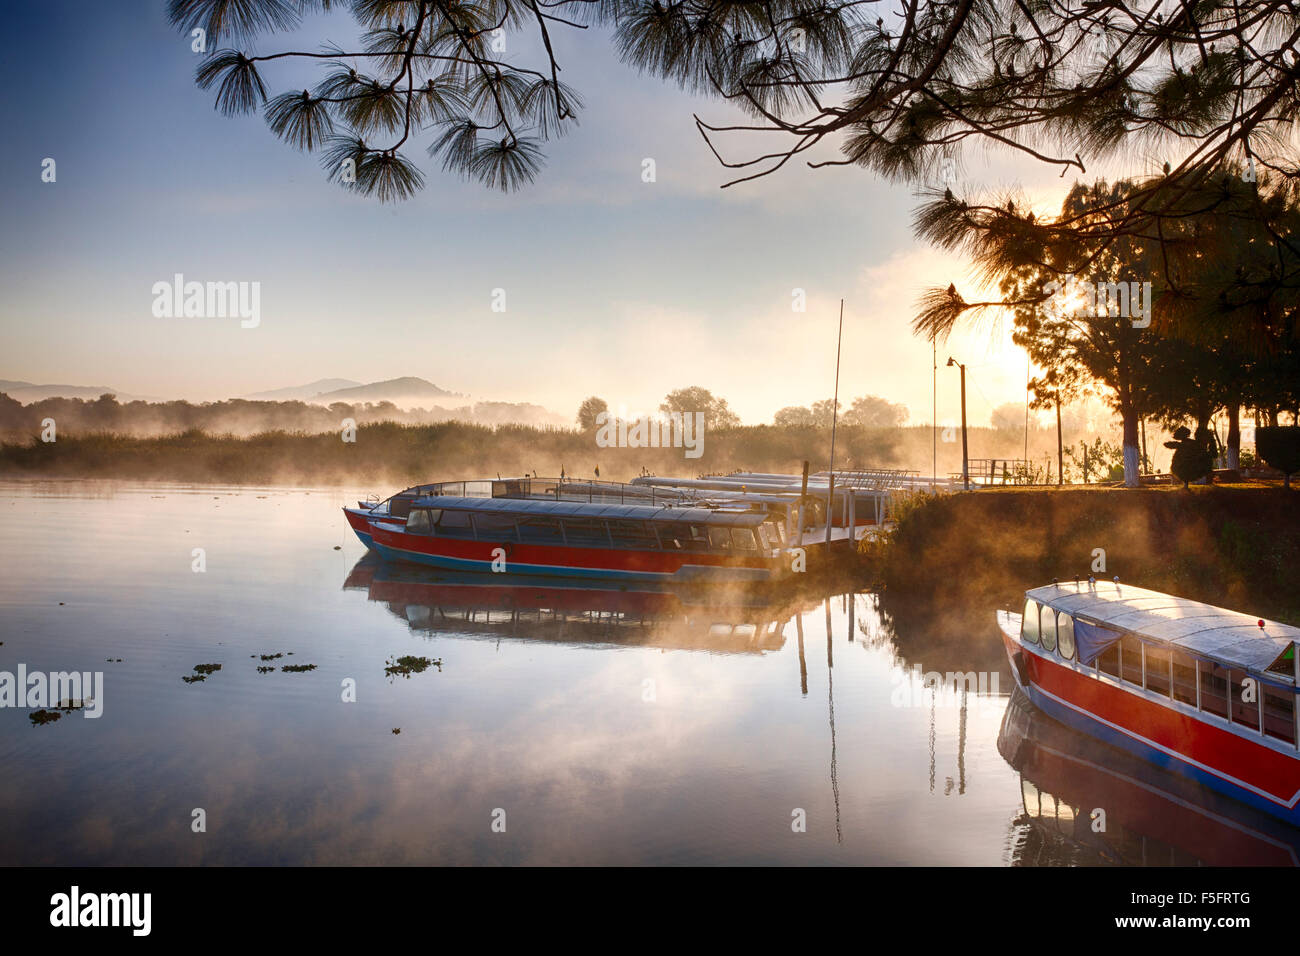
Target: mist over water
[(609, 728)]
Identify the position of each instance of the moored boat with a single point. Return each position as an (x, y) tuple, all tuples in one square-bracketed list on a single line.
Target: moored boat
[(667, 538), (1204, 691)]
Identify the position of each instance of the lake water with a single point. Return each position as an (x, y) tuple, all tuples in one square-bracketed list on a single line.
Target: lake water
[(590, 727)]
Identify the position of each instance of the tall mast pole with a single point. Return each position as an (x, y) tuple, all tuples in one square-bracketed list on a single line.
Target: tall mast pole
[(835, 406)]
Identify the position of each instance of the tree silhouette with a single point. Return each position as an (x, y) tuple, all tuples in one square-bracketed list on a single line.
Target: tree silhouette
[(588, 410), (688, 401), (416, 66), (1201, 82)]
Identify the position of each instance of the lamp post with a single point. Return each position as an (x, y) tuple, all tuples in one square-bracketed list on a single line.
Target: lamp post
[(965, 455)]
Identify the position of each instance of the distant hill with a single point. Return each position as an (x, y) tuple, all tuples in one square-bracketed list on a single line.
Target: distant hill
[(303, 393), (27, 393), (407, 392)]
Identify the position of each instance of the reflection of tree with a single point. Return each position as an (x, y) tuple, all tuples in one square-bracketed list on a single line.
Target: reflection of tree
[(942, 637)]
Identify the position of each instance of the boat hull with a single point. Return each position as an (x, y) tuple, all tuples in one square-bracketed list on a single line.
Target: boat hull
[(1212, 754), (359, 522), (1179, 821), (553, 561)]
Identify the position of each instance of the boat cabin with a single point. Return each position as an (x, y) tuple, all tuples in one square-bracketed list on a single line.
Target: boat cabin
[(1221, 665), (578, 524)]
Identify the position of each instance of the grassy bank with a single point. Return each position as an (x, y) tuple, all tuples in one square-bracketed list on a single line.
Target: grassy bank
[(399, 453), (1234, 546), (389, 454)]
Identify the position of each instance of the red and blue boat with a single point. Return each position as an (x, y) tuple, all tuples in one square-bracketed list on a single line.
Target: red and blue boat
[(1202, 691), (516, 530)]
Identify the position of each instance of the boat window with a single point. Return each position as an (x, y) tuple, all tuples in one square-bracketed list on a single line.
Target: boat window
[(1157, 669), (455, 524), (1184, 689), (1245, 711), (586, 532), (719, 539), (680, 536), (400, 505), (500, 527), (633, 534), (1279, 712), (417, 522), (742, 539), (1130, 659), (1108, 661), (1029, 623), (776, 530), (541, 529), (1065, 635), (765, 542), (1047, 628), (1214, 689)]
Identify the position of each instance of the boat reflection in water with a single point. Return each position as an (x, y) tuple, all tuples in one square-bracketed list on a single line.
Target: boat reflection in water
[(1152, 817), (472, 605)]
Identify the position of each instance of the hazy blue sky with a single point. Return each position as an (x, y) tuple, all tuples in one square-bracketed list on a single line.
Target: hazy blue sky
[(614, 286)]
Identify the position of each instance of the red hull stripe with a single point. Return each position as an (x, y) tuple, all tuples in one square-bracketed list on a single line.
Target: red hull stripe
[(604, 559)]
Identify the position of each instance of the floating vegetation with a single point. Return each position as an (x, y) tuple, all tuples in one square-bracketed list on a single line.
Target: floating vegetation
[(397, 730), (201, 672), (297, 668), (271, 657), (407, 665), (39, 717), (265, 670)]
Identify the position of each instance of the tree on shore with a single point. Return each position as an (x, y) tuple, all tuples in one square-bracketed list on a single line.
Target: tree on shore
[(1070, 328), (794, 416), (1174, 323), (588, 410), (688, 401), (872, 411)]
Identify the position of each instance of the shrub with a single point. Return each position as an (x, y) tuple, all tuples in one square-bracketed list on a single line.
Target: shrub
[(1279, 446)]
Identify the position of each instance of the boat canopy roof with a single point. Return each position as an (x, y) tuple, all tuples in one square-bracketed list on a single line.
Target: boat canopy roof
[(1230, 637), (580, 509)]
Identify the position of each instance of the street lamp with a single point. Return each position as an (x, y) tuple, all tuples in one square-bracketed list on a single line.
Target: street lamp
[(965, 459)]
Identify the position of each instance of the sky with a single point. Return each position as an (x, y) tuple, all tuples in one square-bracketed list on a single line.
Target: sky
[(613, 286)]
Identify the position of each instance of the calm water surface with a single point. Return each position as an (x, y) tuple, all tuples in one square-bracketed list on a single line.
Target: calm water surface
[(601, 727)]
